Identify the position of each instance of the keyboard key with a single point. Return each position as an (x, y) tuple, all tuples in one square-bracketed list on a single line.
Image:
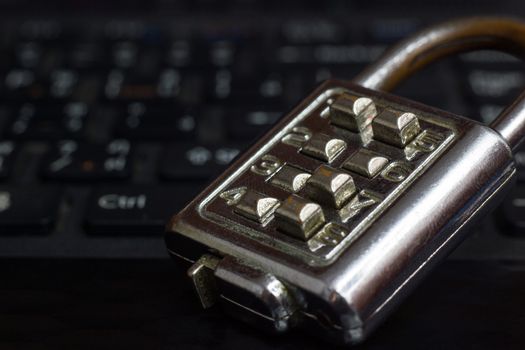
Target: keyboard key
[(121, 85), (7, 149), (124, 54), (28, 54), (512, 213), (85, 55), (486, 59), (85, 162), (180, 53), (248, 123), (196, 162), (391, 30), (519, 157), (23, 85), (222, 53), (135, 210), (327, 55), (52, 120), (312, 32), (62, 83), (28, 210), (267, 88), (155, 121), (496, 85)]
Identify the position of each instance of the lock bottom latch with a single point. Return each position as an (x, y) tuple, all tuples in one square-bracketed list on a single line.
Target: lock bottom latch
[(246, 292)]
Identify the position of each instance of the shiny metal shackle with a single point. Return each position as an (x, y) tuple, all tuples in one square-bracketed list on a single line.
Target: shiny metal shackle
[(445, 39)]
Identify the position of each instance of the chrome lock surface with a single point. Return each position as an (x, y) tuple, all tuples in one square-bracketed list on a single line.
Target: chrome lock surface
[(330, 219)]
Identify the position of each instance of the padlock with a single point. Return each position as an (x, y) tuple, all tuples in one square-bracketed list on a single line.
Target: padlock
[(331, 218)]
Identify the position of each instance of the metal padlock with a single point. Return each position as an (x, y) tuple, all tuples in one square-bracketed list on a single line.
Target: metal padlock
[(334, 215)]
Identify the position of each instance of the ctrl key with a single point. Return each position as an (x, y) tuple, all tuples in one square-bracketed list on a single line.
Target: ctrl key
[(135, 210), (28, 210)]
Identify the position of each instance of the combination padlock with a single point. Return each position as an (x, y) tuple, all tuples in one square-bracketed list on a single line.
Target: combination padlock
[(335, 214)]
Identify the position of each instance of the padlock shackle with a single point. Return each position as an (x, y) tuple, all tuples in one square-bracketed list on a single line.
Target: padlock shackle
[(460, 35)]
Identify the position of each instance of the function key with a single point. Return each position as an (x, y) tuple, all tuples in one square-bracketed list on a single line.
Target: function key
[(391, 30), (86, 162), (353, 57), (28, 210), (132, 210), (312, 32), (196, 162)]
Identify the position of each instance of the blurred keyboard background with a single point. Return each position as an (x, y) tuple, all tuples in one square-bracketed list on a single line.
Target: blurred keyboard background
[(113, 116)]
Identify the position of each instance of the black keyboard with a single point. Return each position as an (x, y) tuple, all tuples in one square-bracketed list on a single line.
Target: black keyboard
[(109, 126)]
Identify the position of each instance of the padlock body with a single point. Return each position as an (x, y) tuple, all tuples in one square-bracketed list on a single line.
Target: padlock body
[(348, 267)]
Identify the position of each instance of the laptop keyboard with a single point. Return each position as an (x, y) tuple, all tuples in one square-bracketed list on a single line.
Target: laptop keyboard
[(108, 127)]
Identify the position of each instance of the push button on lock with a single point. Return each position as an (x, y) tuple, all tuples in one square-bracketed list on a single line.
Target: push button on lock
[(352, 112), (330, 186), (366, 162), (324, 147), (256, 206), (290, 178), (395, 127), (299, 217)]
